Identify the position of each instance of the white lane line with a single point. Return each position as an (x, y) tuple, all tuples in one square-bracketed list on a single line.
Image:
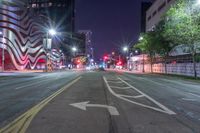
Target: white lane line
[(35, 83), (194, 95), (122, 88), (127, 96), (117, 82), (29, 84), (165, 109), (151, 99), (188, 99)]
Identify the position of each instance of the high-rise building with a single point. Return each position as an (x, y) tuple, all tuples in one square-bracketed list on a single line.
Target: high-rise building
[(156, 11), (60, 12), (88, 42), (59, 15), (144, 7)]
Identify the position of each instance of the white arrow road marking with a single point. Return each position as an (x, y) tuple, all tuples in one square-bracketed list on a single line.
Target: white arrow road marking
[(163, 108), (83, 105)]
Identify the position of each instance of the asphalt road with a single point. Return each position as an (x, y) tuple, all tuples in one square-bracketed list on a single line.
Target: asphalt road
[(20, 92), (105, 102)]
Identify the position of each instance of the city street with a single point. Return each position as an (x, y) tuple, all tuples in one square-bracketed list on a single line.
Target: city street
[(19, 92), (99, 102)]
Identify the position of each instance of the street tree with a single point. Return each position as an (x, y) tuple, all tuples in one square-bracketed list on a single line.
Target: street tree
[(182, 26), (163, 44), (147, 45)]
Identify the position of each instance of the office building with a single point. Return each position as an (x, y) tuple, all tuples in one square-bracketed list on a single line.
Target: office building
[(88, 42), (60, 12), (144, 7), (156, 11)]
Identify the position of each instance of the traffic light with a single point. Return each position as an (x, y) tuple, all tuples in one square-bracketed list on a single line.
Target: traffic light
[(105, 57), (119, 63)]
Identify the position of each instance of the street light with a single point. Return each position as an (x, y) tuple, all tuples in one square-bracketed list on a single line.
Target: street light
[(74, 49), (125, 49), (51, 32), (140, 39)]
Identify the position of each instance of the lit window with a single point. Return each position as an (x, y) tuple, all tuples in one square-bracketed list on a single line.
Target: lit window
[(50, 4), (34, 5)]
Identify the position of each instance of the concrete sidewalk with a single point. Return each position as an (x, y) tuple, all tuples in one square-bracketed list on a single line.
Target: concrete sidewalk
[(126, 71), (11, 73)]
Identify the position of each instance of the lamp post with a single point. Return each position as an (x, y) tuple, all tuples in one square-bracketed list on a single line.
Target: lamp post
[(51, 32), (74, 50), (141, 39), (126, 49)]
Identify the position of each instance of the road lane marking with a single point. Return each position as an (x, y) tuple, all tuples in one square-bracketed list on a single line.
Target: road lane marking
[(117, 82), (194, 95), (127, 96), (31, 84), (163, 108), (83, 106), (20, 124), (35, 83), (151, 99), (189, 99), (116, 87)]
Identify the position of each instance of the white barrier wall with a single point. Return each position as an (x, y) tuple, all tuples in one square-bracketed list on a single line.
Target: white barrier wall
[(178, 68)]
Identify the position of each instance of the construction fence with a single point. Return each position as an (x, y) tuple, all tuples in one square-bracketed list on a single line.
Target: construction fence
[(180, 65)]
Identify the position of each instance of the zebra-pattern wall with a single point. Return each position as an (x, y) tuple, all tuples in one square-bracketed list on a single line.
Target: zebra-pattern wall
[(22, 36)]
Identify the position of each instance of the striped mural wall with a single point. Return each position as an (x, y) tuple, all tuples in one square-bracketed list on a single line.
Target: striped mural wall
[(22, 35)]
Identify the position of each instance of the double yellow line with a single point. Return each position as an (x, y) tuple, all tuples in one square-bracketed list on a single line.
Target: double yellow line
[(20, 124)]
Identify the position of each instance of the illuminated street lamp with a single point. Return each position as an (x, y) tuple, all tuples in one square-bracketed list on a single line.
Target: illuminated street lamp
[(125, 49), (51, 32), (74, 49), (140, 39)]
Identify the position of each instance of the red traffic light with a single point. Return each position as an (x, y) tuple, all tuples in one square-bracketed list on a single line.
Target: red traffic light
[(119, 63), (105, 57)]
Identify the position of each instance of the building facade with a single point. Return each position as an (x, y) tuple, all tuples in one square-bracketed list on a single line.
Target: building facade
[(23, 27), (89, 51), (20, 38), (156, 11), (60, 12), (144, 7), (59, 15)]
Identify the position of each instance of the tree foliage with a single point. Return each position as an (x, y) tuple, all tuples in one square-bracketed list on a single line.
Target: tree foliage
[(182, 24)]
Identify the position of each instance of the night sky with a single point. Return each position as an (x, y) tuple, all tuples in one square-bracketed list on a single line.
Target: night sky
[(113, 22)]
